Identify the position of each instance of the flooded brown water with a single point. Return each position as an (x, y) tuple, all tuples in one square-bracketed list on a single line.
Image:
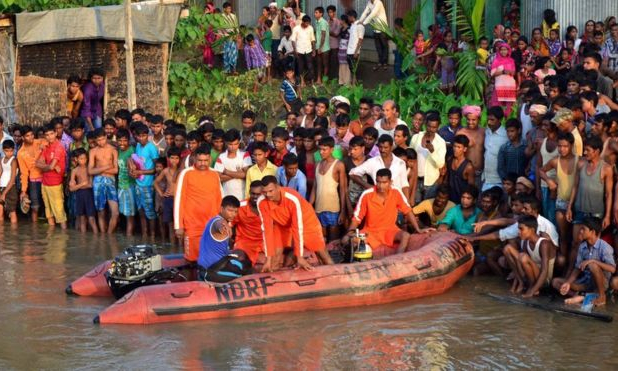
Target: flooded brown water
[(42, 328)]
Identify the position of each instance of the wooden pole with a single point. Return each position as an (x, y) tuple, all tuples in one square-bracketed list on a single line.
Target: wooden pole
[(128, 45)]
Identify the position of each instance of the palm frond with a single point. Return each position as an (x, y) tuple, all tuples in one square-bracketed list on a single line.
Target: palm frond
[(469, 18), (470, 80)]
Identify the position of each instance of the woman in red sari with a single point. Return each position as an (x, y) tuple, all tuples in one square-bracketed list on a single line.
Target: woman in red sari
[(502, 71), (208, 54)]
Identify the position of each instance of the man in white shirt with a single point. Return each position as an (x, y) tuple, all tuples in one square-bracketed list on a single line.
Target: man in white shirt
[(495, 137), (357, 33), (285, 50), (430, 156), (232, 166), (303, 40), (375, 12), (386, 160), (391, 119), (531, 207)]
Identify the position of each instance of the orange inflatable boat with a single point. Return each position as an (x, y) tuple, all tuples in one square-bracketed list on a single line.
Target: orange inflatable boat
[(94, 283), (438, 263)]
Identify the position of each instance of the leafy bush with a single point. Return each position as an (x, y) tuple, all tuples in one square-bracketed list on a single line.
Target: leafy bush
[(196, 91)]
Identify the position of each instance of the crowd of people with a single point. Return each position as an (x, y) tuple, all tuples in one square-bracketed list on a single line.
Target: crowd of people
[(534, 190), (326, 46)]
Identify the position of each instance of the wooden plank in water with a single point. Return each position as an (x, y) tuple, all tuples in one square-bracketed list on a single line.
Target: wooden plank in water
[(552, 307)]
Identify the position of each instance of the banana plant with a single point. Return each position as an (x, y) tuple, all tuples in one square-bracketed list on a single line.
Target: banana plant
[(469, 19)]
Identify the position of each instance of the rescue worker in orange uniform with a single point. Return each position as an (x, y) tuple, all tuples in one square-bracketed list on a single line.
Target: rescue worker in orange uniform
[(248, 224), (288, 220), (197, 200), (378, 207)]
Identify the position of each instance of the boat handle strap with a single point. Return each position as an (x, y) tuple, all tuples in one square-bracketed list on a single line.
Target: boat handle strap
[(182, 295), (306, 282)]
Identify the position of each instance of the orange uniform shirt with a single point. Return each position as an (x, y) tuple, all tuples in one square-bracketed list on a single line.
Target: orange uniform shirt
[(197, 200), (26, 158), (294, 216), (380, 216), (249, 237)]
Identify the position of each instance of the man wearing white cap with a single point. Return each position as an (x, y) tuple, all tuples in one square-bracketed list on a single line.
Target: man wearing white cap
[(564, 120), (275, 28)]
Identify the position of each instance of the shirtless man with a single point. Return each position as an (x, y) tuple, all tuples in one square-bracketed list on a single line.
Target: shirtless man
[(165, 186), (103, 167), (81, 184), (309, 116), (476, 135)]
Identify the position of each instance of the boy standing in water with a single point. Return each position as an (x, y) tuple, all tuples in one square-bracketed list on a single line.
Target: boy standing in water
[(52, 163), (593, 268), (103, 166), (329, 191), (165, 185), (144, 179), (81, 184), (8, 186), (126, 184)]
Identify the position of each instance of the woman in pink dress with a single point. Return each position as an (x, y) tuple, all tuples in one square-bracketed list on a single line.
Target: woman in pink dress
[(502, 71), (208, 54)]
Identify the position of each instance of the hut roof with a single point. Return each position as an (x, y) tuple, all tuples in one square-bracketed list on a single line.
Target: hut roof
[(153, 23)]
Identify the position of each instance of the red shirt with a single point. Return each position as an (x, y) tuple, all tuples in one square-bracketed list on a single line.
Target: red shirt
[(54, 151), (277, 158)]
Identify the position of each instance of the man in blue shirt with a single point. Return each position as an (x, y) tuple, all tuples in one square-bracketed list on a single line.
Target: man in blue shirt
[(143, 171), (216, 262), (448, 132), (512, 154), (290, 176), (461, 218), (593, 268)]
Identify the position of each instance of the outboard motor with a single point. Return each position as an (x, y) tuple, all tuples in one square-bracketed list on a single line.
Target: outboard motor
[(137, 266)]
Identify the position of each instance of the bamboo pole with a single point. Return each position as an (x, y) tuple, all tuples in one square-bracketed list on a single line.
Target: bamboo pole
[(128, 45)]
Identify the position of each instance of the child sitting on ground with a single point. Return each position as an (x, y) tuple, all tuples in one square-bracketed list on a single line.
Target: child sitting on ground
[(593, 268), (81, 184)]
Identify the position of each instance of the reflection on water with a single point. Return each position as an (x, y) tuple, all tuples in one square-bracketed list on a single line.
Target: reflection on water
[(43, 328)]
